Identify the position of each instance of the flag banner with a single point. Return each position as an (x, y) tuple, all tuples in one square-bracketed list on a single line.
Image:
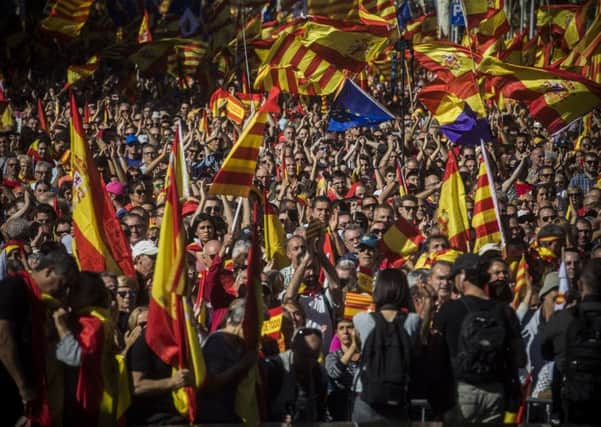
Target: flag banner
[(485, 217), (355, 303)]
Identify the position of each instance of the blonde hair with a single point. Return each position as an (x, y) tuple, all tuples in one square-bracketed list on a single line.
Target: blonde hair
[(132, 320), (124, 281)]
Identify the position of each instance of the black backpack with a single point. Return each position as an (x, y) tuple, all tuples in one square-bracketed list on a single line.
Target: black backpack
[(581, 380), (481, 346), (385, 363)]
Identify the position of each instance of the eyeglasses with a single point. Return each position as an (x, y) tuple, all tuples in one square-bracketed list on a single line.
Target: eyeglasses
[(377, 230), (135, 226), (548, 218), (591, 162), (409, 207), (212, 209), (363, 248), (150, 153), (140, 192), (574, 194), (369, 206), (125, 294)]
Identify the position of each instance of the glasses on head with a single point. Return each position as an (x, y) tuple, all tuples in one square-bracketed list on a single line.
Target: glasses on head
[(125, 294)]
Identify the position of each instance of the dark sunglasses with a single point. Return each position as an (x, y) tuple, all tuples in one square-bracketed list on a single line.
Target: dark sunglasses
[(123, 294)]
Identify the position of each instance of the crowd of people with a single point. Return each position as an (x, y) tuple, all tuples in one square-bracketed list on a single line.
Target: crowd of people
[(442, 329)]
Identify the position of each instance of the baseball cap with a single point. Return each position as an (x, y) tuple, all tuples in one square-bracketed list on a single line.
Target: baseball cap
[(116, 188), (489, 247), (131, 139), (370, 240), (144, 247), (551, 282), (189, 207), (466, 262)]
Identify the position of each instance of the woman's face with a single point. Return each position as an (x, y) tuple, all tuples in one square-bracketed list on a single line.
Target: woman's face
[(344, 331), (138, 196), (126, 298), (205, 231)]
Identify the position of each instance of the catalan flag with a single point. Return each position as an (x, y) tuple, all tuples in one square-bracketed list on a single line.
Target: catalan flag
[(485, 219), (184, 60), (556, 19), (335, 9), (67, 17), (378, 12), (555, 98), (237, 171), (297, 69), (451, 214), (355, 303), (521, 280), (76, 73), (447, 60), (99, 243), (474, 11), (144, 34), (275, 238), (401, 239), (170, 333), (223, 101)]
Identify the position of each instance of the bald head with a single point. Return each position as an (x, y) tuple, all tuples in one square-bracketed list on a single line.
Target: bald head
[(212, 248)]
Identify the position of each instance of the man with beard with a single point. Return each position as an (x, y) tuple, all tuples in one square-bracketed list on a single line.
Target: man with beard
[(498, 286)]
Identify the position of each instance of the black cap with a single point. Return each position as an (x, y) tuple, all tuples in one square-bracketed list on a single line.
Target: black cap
[(466, 262)]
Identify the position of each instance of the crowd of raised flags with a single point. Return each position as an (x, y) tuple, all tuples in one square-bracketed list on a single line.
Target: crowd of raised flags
[(254, 70)]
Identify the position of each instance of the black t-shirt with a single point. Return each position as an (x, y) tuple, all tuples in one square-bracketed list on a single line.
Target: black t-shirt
[(15, 307), (141, 358), (449, 318)]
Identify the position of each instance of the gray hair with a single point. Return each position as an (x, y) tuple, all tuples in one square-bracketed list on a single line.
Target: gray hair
[(17, 229), (240, 246), (235, 315), (414, 276)]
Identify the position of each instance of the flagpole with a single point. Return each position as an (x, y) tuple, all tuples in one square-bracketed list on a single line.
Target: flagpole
[(236, 216)]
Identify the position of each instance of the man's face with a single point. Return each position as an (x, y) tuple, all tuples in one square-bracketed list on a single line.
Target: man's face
[(366, 256), (321, 211), (439, 280), (136, 228), (133, 150), (368, 205), (546, 216), (351, 240), (212, 207), (537, 157), (42, 173), (408, 210), (339, 185), (383, 215), (545, 175), (295, 249), (145, 265), (50, 282), (584, 231), (343, 220), (437, 245), (572, 261), (590, 165), (498, 271)]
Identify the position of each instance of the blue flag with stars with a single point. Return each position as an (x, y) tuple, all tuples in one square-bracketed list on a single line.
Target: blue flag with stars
[(353, 107)]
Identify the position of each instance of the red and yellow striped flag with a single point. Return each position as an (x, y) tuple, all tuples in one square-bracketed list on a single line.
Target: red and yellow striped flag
[(448, 60), (238, 169), (171, 334), (67, 17), (99, 243), (485, 218), (77, 72), (335, 9), (401, 239), (521, 280), (451, 214), (42, 116), (355, 303), (234, 110), (377, 12), (144, 34), (554, 97)]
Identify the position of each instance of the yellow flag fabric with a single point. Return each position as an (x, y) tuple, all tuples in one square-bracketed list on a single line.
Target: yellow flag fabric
[(451, 215), (67, 18), (77, 72), (485, 220), (7, 122), (275, 238)]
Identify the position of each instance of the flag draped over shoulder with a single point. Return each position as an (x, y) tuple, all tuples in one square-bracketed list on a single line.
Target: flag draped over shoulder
[(171, 333), (98, 241), (67, 17), (485, 218), (555, 98), (237, 171), (451, 214)]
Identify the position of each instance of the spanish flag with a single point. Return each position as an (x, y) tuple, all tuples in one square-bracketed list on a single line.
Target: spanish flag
[(99, 243), (447, 60), (42, 116), (237, 171), (401, 239), (7, 121), (422, 29), (222, 99), (171, 333), (485, 218), (77, 72), (555, 98), (474, 11), (275, 238), (203, 124), (451, 215)]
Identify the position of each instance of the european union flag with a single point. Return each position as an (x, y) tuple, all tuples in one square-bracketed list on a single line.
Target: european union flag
[(353, 107), (403, 14)]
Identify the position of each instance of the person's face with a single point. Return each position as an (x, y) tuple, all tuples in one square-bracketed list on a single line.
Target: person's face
[(471, 166), (263, 178), (546, 216), (363, 167), (344, 331), (12, 167), (437, 245), (469, 154), (295, 249), (572, 261), (545, 175), (295, 315), (590, 165), (289, 133), (149, 153), (360, 192), (368, 206), (41, 189), (549, 299), (408, 210), (439, 280), (42, 218), (383, 215), (584, 232), (339, 185), (543, 194), (498, 271), (110, 283), (42, 173), (321, 211), (343, 220), (366, 256), (514, 229), (520, 144), (537, 157), (431, 182), (137, 230), (126, 298), (351, 240), (205, 231), (212, 207), (575, 197)]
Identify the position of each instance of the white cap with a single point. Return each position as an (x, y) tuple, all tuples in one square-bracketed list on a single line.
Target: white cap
[(489, 247), (144, 247)]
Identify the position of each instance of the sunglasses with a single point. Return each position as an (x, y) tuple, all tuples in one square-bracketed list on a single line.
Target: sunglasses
[(125, 294), (377, 231), (135, 226), (548, 218), (409, 208), (140, 192)]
